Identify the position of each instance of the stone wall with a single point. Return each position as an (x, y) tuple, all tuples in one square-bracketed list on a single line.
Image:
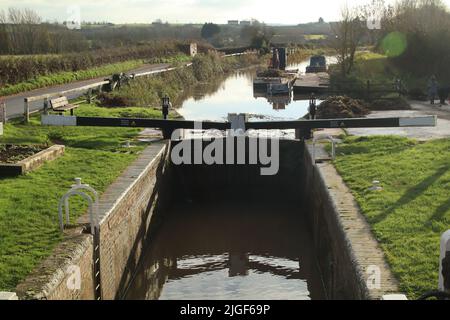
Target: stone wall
[(126, 209), (349, 257)]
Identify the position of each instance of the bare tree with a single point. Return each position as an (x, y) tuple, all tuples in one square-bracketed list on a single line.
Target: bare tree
[(349, 33)]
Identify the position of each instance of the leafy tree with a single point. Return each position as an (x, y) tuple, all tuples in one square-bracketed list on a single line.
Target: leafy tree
[(210, 30)]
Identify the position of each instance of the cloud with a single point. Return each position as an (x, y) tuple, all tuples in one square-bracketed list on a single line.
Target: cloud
[(138, 11)]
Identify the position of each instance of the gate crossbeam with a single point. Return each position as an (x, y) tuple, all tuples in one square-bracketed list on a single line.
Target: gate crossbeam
[(171, 125)]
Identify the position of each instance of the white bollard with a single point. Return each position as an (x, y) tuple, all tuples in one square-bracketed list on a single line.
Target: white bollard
[(445, 248)]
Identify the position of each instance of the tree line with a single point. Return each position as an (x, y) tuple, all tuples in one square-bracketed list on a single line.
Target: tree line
[(23, 32), (414, 34)]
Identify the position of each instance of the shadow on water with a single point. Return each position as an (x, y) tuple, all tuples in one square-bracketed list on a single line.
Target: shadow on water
[(231, 233), (230, 250)]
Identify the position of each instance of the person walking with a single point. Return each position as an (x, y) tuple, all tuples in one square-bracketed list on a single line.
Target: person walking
[(432, 88), (443, 93)]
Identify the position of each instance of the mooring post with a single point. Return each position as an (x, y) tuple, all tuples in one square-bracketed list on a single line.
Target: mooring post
[(26, 111), (166, 105), (312, 107), (444, 263)]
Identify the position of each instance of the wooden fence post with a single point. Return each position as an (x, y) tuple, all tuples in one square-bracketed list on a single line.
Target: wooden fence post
[(3, 112), (368, 91), (89, 96), (26, 111), (46, 105)]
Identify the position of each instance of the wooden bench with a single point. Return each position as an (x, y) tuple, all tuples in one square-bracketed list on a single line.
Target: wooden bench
[(61, 105)]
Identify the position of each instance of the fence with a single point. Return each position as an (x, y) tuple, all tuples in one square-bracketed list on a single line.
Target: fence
[(2, 112), (370, 90), (112, 83)]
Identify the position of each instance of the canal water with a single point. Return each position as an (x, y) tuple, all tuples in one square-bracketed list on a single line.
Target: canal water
[(214, 101), (229, 247), (230, 250)]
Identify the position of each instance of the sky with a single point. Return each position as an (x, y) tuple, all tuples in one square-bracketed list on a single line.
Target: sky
[(186, 11)]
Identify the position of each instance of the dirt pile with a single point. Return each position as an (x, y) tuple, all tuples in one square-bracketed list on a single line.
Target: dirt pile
[(14, 153), (338, 107)]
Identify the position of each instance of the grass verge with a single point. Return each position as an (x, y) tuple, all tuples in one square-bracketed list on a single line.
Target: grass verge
[(148, 91), (410, 214), (66, 77), (28, 204)]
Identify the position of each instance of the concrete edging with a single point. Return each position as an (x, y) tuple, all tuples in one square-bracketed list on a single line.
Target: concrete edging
[(126, 209), (31, 163)]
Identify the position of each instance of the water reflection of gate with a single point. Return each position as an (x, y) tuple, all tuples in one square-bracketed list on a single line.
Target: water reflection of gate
[(278, 102), (194, 243)]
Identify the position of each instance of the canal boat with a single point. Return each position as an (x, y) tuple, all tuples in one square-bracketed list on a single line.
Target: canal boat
[(317, 83), (317, 64), (274, 82)]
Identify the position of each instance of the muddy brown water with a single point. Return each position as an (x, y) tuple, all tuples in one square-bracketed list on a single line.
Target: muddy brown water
[(230, 250)]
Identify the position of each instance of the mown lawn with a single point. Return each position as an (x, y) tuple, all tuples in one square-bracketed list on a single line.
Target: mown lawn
[(28, 204), (410, 214)]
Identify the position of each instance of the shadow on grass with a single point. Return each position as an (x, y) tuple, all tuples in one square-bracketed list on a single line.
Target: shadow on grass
[(441, 211), (374, 146), (413, 193)]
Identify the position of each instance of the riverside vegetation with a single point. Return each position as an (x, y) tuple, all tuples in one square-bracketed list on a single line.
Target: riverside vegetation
[(22, 73), (148, 91)]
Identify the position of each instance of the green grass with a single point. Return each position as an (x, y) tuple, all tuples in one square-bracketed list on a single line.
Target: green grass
[(410, 214), (28, 204), (315, 36), (173, 60), (66, 77)]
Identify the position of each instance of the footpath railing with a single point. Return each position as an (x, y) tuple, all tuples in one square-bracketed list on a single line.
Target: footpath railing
[(110, 82)]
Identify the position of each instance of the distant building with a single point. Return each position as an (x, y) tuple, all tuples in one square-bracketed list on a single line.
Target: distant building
[(190, 49), (158, 21), (233, 22), (193, 49), (246, 23)]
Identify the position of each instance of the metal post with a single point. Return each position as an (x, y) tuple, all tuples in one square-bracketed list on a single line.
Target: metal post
[(333, 147), (79, 189), (312, 107), (444, 263), (165, 107), (26, 111)]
